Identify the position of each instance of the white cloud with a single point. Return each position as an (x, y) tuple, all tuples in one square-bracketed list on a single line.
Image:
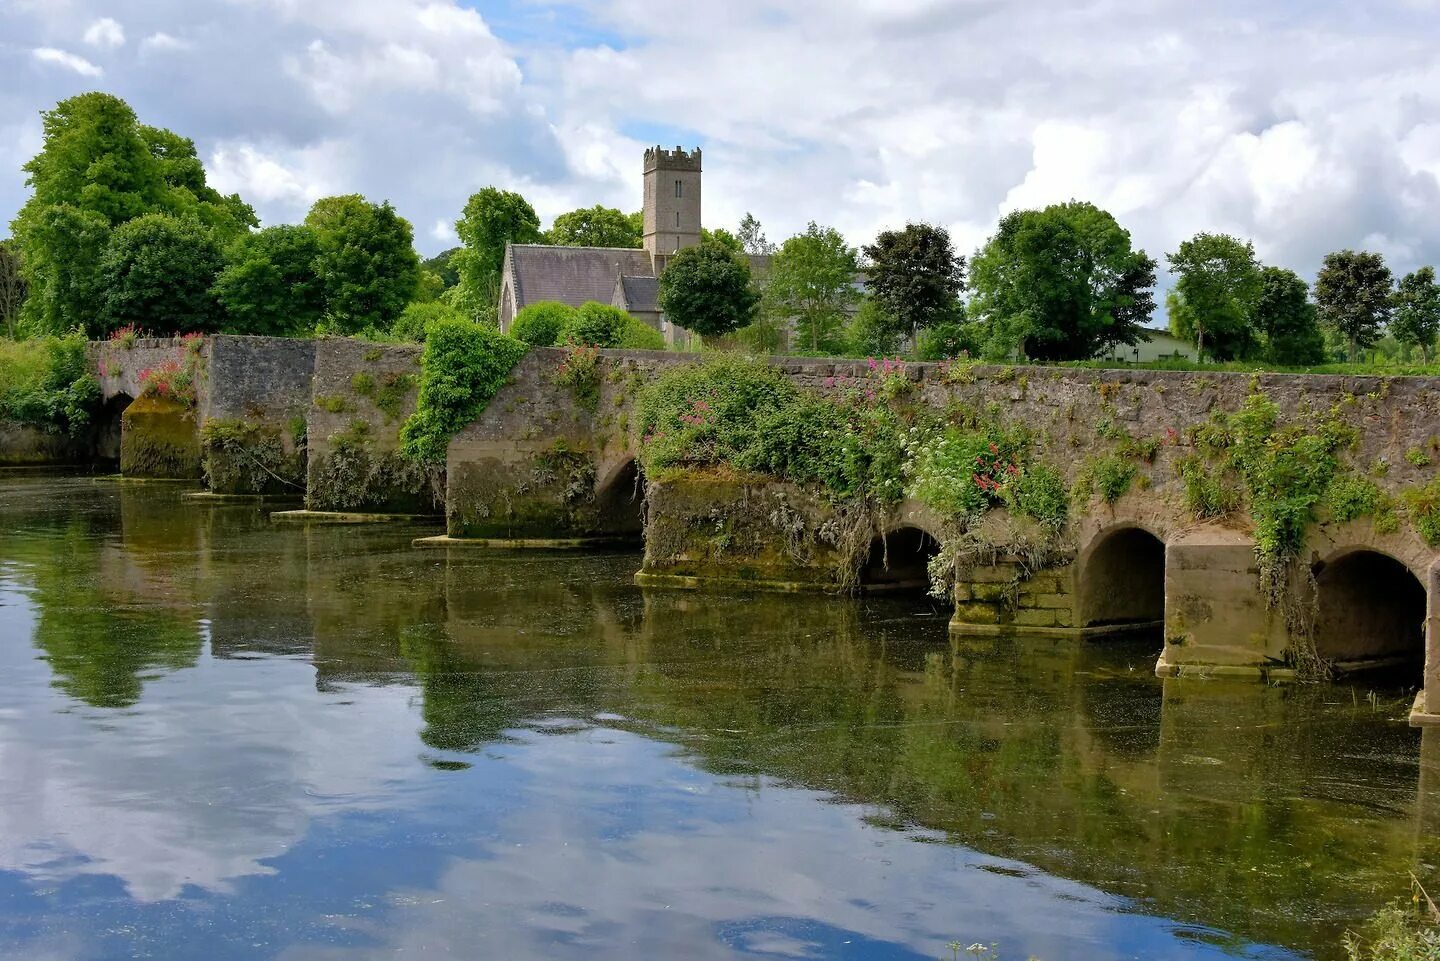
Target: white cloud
[(67, 60), (444, 231), (293, 180), (105, 33), (161, 41)]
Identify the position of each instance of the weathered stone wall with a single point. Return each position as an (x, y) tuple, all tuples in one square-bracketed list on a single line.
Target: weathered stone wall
[(121, 369), (361, 395), (253, 414), (23, 445)]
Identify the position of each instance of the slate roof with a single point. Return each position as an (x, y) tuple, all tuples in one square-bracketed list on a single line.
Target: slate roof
[(641, 292), (573, 275)]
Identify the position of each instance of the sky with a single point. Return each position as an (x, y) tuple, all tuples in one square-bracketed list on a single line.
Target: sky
[(1305, 125)]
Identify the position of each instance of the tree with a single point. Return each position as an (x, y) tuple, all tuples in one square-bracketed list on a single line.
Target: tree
[(752, 237), (367, 262), (915, 276), (269, 285), (812, 282), (1352, 292), (443, 264), (157, 273), (1213, 303), (1060, 284), (97, 169), (720, 237), (1416, 319), (61, 247), (492, 219), (595, 226), (12, 286), (706, 289), (1286, 319)]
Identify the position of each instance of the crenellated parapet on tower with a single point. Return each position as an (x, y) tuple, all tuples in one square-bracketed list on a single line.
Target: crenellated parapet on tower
[(672, 200)]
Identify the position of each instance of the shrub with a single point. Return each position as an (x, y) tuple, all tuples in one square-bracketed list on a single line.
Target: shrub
[(541, 324), (580, 372), (47, 383), (596, 325), (1352, 497), (1394, 934), (415, 319), (1423, 506), (963, 472), (1109, 476), (463, 366), (638, 335)]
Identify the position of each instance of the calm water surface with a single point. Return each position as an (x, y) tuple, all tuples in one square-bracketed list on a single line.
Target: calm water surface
[(222, 738)]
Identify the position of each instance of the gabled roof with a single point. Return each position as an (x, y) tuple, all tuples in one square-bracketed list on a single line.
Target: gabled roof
[(572, 275), (641, 293)]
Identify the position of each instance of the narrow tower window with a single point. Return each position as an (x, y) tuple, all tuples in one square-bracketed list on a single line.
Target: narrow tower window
[(679, 188), (677, 218)]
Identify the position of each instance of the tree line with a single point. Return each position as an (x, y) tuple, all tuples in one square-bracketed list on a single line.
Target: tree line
[(122, 230)]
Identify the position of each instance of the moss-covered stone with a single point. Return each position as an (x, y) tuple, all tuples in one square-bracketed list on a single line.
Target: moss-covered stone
[(353, 474), (159, 438), (240, 457), (552, 496)]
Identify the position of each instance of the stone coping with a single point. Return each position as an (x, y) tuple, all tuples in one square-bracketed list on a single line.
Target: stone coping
[(348, 517), (523, 543)]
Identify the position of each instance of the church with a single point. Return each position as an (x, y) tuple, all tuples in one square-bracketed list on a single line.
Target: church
[(628, 278)]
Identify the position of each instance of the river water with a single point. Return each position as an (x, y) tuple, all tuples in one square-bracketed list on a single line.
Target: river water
[(226, 738)]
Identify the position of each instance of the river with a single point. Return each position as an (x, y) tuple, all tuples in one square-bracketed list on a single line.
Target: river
[(226, 738)]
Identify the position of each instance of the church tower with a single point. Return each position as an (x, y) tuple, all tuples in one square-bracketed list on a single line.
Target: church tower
[(672, 200)]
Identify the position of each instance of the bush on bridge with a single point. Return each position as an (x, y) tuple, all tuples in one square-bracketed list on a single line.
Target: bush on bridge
[(47, 383), (464, 365), (540, 324)]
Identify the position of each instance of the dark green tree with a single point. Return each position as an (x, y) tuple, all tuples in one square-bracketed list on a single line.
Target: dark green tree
[(1217, 287), (1061, 283), (269, 285), (158, 273), (443, 264), (367, 262), (1286, 319), (594, 227), (492, 219), (915, 276), (706, 290), (1416, 318), (12, 287), (812, 285), (1353, 294)]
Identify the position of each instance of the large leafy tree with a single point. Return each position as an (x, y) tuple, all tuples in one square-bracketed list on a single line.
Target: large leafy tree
[(61, 249), (99, 168), (1216, 289), (1354, 297), (915, 276), (812, 284), (492, 219), (157, 273), (366, 262), (720, 237), (1286, 319), (1061, 283), (706, 289), (12, 287), (1416, 319), (269, 285), (594, 227)]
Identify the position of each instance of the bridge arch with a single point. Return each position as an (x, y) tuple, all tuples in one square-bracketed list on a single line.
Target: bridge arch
[(898, 560), (1121, 582), (1370, 609), (108, 427), (620, 495)]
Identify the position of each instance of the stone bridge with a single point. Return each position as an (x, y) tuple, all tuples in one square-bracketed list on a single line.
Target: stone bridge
[(540, 467)]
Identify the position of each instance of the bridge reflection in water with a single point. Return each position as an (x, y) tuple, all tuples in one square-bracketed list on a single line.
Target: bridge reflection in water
[(1277, 813)]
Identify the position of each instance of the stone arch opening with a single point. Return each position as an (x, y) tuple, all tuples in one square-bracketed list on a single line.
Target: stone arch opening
[(621, 499), (108, 428), (899, 561), (1369, 612), (1122, 580)]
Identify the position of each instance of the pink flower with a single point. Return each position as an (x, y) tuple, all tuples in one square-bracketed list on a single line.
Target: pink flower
[(873, 365)]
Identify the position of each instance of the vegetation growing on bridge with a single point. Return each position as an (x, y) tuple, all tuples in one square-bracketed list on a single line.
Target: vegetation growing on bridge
[(242, 457), (463, 366)]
